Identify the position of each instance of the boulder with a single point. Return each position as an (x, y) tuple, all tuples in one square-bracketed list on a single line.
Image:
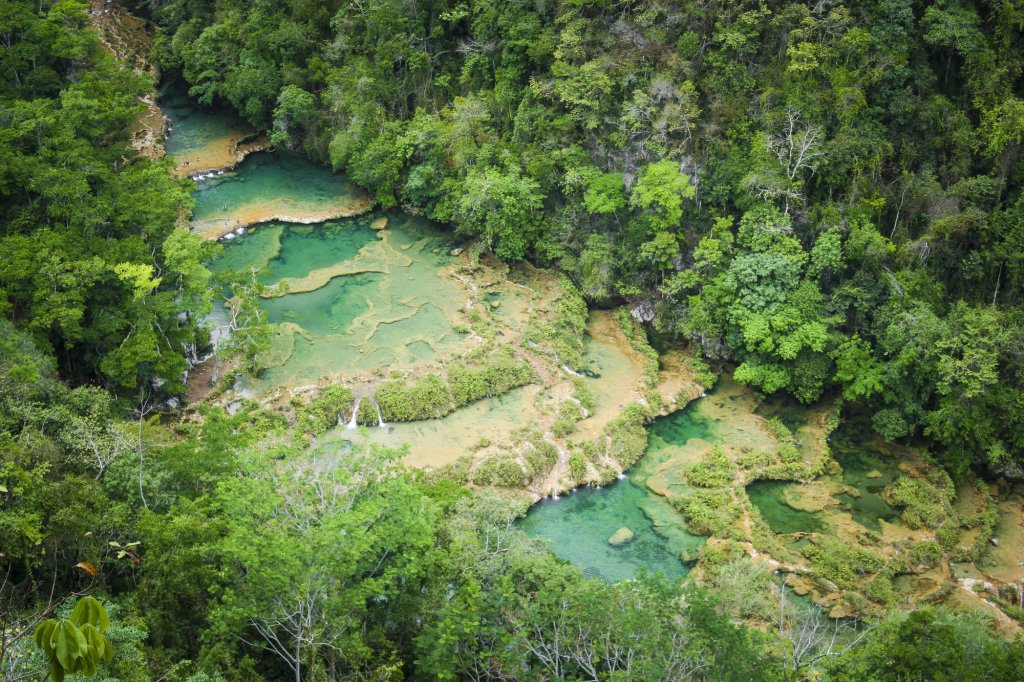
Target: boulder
[(874, 473), (455, 252), (380, 223), (800, 585), (621, 537), (807, 499)]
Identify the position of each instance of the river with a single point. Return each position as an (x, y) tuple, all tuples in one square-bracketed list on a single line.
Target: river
[(359, 297)]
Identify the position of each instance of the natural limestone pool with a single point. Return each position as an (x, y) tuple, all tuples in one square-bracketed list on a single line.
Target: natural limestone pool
[(856, 493), (357, 297), (201, 139), (347, 298), (580, 525), (272, 186)]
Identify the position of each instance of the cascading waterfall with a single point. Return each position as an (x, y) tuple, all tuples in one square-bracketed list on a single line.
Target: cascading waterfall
[(355, 413), (380, 419)]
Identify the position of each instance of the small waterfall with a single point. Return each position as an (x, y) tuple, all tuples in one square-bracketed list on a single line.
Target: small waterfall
[(355, 413), (380, 419), (621, 476)]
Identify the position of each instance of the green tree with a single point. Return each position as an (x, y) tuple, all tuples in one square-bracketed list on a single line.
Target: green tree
[(78, 643)]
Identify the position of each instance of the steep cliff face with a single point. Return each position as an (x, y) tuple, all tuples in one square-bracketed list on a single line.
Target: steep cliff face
[(130, 40)]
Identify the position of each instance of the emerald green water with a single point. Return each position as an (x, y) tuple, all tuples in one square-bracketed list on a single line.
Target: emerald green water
[(305, 247), (356, 299), (254, 251), (195, 129), (279, 250), (857, 459), (767, 496), (390, 306), (578, 525), (268, 186)]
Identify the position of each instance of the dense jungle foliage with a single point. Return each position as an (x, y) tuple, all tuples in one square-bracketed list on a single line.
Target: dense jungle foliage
[(93, 266), (828, 196)]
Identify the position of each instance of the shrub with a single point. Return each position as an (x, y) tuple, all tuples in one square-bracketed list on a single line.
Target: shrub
[(540, 456), (501, 470), (880, 591), (583, 393), (925, 554), (566, 329), (948, 534), (577, 467), (789, 454), (779, 430), (925, 503), (394, 401), (744, 587), (569, 413), (431, 398), (702, 373), (466, 385), (333, 405), (713, 472), (840, 562), (708, 512), (499, 375), (457, 471), (713, 556), (755, 460), (367, 413), (428, 398), (627, 435)]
